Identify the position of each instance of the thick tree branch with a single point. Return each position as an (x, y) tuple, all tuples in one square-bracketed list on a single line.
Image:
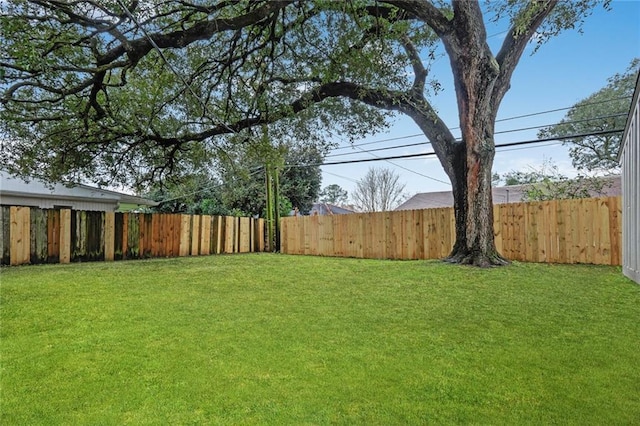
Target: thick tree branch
[(419, 71), (426, 12), (417, 107), (515, 42), (138, 48)]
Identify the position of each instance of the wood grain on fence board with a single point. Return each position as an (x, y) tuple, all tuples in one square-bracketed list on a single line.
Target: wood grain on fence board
[(185, 234), (19, 232), (5, 230), (65, 236), (244, 234), (229, 232), (109, 236), (205, 235), (38, 236)]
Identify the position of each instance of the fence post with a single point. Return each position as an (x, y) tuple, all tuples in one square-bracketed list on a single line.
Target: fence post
[(205, 235), (65, 236), (109, 235), (20, 235), (185, 234)]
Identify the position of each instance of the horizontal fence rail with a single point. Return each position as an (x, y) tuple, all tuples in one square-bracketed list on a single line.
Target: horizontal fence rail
[(559, 231), (32, 235)]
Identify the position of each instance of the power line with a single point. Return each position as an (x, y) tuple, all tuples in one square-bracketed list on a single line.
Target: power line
[(530, 147), (407, 169), (519, 146), (429, 154), (563, 109), (501, 132), (497, 121), (340, 176), (381, 140), (563, 123), (380, 149)]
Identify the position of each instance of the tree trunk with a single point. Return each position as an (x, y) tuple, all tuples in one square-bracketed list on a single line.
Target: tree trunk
[(473, 207), (468, 165), (475, 73)]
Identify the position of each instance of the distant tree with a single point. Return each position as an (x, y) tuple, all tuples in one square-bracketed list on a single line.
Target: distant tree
[(379, 190), (334, 194), (301, 178), (197, 193), (607, 109), (547, 183), (522, 178), (235, 184), (243, 177)]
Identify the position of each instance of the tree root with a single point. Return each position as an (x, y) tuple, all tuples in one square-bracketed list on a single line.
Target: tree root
[(476, 258)]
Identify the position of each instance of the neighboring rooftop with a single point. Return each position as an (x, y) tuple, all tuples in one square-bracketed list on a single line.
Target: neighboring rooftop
[(325, 209), (35, 193), (501, 195)]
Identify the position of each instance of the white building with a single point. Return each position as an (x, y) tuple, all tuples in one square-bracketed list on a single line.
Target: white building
[(630, 161), (35, 193)]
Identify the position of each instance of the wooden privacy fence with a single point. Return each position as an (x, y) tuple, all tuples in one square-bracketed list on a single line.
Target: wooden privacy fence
[(32, 235), (559, 231)]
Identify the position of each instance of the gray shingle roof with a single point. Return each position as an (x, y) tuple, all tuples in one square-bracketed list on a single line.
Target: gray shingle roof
[(324, 209)]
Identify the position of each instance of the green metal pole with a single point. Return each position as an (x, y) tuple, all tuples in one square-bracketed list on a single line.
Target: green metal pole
[(276, 205), (269, 207)]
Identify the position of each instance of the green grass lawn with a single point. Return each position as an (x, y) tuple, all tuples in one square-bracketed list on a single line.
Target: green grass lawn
[(274, 339)]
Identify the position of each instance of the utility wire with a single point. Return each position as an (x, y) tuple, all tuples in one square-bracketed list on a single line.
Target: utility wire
[(563, 109), (514, 149), (380, 149), (340, 176), (497, 121), (501, 132), (429, 154), (519, 148), (564, 123), (404, 168)]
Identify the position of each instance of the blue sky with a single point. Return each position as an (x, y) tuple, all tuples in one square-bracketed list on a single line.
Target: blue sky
[(563, 71)]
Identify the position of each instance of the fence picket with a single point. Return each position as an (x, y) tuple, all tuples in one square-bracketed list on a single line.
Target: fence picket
[(109, 236), (65, 236), (5, 242)]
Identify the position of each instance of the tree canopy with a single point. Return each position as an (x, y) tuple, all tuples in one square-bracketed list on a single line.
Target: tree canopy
[(243, 177), (108, 90), (333, 194), (235, 185), (87, 95), (601, 117)]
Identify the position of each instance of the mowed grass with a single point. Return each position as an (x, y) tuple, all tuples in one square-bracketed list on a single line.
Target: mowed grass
[(275, 339)]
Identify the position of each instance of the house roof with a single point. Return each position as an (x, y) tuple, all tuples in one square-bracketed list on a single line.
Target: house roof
[(501, 195), (10, 185), (325, 209)]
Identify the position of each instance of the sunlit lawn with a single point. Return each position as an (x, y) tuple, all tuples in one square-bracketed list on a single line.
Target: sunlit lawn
[(274, 339)]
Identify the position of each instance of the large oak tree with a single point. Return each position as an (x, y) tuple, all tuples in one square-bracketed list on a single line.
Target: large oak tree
[(86, 93)]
